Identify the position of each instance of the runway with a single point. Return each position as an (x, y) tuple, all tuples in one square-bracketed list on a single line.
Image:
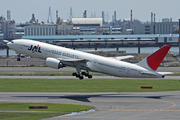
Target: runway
[(109, 106), (33, 69), (73, 77)]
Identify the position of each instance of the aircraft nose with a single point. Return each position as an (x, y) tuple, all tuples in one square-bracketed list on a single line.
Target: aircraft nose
[(9, 44)]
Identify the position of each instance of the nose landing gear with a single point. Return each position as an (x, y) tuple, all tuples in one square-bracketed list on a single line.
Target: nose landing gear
[(18, 57)]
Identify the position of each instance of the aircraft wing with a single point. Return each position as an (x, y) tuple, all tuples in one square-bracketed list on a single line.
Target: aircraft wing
[(73, 60), (122, 57), (78, 63)]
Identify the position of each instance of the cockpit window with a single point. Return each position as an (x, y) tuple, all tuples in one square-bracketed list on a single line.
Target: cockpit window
[(12, 42)]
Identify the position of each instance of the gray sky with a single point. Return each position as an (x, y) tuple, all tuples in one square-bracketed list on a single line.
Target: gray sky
[(22, 10)]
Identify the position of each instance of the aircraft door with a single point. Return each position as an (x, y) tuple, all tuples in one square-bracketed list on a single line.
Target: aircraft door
[(94, 62), (127, 71), (95, 65)]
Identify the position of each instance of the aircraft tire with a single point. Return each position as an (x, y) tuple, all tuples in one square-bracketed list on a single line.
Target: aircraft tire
[(83, 73), (74, 74), (86, 74), (81, 77), (18, 59), (89, 76), (78, 75)]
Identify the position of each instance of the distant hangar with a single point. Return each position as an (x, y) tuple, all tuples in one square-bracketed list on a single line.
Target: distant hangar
[(80, 22)]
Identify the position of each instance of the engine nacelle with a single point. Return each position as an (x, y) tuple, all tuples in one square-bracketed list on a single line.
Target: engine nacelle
[(54, 63)]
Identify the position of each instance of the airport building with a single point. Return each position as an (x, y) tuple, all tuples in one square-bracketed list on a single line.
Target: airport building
[(19, 32), (106, 39), (113, 41), (1, 37)]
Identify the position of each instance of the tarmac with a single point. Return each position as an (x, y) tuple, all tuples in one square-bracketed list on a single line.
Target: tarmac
[(109, 106)]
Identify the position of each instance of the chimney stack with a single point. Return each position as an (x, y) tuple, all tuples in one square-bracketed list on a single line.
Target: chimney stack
[(131, 15)]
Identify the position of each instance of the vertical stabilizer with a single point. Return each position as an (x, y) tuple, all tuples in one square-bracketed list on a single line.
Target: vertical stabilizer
[(153, 61)]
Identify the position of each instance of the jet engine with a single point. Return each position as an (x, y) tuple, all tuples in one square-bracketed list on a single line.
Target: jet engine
[(54, 63)]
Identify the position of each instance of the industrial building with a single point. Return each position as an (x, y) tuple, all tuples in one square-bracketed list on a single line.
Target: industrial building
[(40, 30), (65, 30), (166, 27), (1, 28), (9, 29), (85, 26)]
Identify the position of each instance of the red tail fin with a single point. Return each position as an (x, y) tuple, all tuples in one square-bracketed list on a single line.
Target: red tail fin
[(154, 60)]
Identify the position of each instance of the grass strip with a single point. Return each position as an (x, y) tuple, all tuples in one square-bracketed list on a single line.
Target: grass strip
[(54, 109), (26, 116), (87, 85)]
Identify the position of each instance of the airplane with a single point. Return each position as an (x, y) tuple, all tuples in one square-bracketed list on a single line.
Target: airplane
[(58, 57)]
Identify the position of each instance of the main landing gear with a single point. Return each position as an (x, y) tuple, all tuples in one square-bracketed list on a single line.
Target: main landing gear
[(78, 75)]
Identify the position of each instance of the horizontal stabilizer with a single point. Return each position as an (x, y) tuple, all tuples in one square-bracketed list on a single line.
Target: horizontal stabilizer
[(165, 73), (148, 73), (122, 57)]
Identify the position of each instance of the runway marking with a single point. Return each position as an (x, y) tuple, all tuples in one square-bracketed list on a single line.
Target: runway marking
[(155, 110), (148, 111)]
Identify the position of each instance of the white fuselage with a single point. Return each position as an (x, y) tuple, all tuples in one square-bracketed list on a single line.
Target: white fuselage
[(95, 63)]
